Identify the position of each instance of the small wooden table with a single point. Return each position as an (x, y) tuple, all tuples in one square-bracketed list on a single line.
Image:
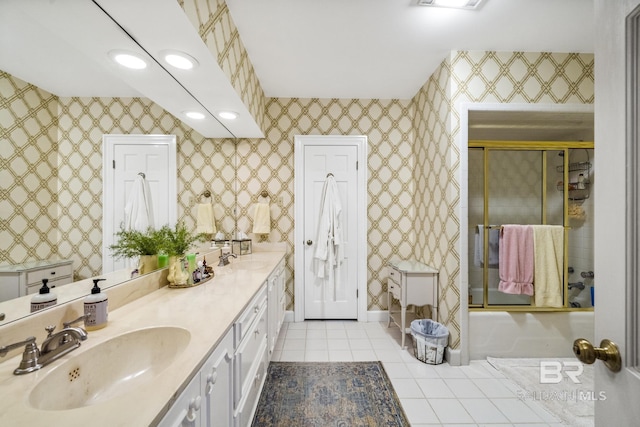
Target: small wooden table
[(411, 283)]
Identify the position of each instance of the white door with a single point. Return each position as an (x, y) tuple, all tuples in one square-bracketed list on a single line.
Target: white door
[(337, 297), (617, 227), (126, 156)]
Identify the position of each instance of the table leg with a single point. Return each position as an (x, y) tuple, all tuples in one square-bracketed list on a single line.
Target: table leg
[(403, 315)]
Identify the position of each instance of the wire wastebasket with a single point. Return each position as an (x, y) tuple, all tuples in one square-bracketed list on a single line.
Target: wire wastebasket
[(430, 340)]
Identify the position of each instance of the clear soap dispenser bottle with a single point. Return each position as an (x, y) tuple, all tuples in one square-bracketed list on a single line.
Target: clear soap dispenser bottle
[(96, 308), (44, 298)]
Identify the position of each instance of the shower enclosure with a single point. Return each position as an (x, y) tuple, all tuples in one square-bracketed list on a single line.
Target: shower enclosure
[(530, 183)]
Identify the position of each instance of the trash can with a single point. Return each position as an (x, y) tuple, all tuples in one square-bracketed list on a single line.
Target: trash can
[(430, 339)]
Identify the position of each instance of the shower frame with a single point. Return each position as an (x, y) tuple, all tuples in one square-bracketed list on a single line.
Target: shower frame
[(545, 147)]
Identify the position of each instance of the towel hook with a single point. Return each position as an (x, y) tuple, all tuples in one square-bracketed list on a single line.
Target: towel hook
[(329, 174), (142, 175)]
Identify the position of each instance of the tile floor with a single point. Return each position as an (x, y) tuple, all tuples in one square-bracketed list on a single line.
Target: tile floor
[(431, 395)]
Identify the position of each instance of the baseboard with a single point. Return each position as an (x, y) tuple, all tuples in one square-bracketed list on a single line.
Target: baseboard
[(288, 316), (453, 357), (377, 316)]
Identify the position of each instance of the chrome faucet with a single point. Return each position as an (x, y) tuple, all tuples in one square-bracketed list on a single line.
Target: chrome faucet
[(54, 347), (224, 259)]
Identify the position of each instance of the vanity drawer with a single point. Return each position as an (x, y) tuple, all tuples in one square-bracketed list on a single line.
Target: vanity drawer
[(248, 353), (394, 283), (51, 273), (250, 314)]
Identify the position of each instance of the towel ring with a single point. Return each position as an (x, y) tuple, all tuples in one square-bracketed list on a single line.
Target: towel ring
[(206, 194), (265, 195)]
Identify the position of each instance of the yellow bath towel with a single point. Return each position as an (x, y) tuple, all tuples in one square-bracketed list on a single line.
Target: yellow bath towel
[(205, 219), (548, 244), (261, 219)]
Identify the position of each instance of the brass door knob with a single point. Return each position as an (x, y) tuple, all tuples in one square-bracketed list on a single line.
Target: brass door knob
[(608, 352)]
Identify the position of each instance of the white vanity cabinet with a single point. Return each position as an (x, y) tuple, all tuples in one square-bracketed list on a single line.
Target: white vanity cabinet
[(187, 409), (276, 299), (251, 359), (23, 279), (216, 378)]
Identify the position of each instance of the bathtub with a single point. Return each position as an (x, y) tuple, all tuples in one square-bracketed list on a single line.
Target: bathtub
[(516, 334), (582, 297)]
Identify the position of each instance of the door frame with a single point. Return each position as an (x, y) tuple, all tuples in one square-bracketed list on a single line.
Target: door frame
[(108, 180), (300, 141)]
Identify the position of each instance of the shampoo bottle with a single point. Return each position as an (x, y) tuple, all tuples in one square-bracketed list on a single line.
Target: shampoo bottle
[(95, 308), (44, 298)]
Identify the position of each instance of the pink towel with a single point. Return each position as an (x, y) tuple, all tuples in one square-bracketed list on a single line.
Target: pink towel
[(516, 259)]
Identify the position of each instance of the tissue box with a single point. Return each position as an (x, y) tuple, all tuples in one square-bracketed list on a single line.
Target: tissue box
[(241, 247)]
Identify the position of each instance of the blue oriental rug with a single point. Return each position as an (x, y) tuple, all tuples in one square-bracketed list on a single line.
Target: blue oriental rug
[(349, 394)]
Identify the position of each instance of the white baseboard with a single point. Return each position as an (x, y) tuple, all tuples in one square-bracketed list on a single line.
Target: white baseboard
[(453, 357), (377, 316), (288, 316)]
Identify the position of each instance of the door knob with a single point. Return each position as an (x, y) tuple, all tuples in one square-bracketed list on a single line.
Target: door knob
[(608, 352), (309, 242)]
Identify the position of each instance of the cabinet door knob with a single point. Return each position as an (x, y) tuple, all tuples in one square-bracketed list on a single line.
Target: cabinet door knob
[(309, 242)]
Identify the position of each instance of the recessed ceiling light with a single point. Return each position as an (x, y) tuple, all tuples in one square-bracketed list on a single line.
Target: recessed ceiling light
[(179, 59), (194, 115), (228, 115), (128, 59), (457, 4)]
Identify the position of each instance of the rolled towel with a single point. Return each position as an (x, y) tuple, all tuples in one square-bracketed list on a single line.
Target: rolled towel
[(205, 220), (262, 219)]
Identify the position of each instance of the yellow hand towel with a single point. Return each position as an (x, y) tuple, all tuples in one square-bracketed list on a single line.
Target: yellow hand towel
[(262, 219), (205, 220)]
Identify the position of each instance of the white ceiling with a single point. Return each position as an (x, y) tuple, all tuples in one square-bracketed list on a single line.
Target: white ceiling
[(299, 48)]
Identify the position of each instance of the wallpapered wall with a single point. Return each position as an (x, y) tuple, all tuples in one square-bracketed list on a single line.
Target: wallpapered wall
[(489, 77), (413, 163)]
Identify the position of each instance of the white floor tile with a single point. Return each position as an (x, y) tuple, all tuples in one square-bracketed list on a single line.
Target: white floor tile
[(494, 387), (363, 356), (292, 356), (407, 388), (397, 370), (464, 388), (296, 325), (316, 344), (316, 356), (360, 344), (516, 411), (292, 344), (340, 356), (434, 388), (418, 411), (450, 411), (422, 370), (337, 334), (388, 355), (296, 334), (320, 334), (338, 344), (358, 334), (316, 324), (483, 411)]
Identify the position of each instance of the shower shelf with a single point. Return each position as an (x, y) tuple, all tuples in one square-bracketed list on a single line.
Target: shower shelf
[(576, 193)]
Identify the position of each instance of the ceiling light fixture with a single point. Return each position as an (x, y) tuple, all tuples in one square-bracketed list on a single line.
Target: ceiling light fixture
[(457, 4), (194, 115), (179, 59), (228, 115), (128, 59)]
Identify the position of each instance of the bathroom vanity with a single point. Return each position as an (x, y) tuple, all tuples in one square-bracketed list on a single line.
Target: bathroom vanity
[(212, 344), (411, 283), (23, 279)]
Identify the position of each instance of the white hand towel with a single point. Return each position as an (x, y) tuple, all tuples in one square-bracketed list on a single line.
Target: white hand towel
[(262, 219), (205, 219)]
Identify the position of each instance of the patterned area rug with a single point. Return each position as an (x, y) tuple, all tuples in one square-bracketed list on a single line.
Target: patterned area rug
[(349, 394)]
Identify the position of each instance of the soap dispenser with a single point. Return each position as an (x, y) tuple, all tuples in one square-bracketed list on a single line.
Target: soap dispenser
[(44, 298), (95, 308)]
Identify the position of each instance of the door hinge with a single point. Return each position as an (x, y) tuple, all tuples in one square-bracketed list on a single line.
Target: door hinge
[(113, 163), (357, 293), (356, 165)]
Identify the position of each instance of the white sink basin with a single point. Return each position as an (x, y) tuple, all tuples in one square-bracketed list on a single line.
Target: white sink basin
[(109, 369)]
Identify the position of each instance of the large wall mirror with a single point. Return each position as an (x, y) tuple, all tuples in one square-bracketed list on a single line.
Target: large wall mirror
[(53, 118)]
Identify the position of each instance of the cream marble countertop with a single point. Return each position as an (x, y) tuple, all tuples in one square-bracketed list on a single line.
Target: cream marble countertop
[(207, 311)]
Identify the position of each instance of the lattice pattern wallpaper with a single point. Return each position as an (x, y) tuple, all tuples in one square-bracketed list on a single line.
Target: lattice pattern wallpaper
[(268, 164), (216, 28), (495, 77), (414, 162)]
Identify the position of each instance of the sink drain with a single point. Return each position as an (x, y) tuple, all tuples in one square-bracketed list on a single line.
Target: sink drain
[(74, 374)]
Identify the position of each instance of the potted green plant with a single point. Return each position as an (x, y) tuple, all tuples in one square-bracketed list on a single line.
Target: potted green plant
[(143, 244), (177, 242)]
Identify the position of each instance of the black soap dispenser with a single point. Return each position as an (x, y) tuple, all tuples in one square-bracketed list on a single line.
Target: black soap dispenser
[(44, 298)]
